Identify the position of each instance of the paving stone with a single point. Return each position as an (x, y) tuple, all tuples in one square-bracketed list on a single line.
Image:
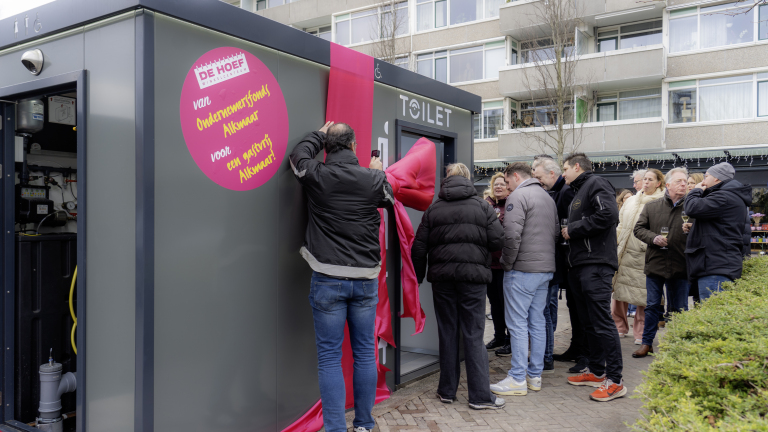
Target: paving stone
[(557, 407)]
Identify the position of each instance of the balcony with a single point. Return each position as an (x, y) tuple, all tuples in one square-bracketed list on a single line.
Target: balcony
[(524, 20), (613, 70), (629, 135)]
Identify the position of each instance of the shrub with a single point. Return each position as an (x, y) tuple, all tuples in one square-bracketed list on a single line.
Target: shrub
[(711, 370)]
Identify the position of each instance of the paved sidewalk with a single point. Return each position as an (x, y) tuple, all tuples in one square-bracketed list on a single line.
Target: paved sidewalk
[(557, 407)]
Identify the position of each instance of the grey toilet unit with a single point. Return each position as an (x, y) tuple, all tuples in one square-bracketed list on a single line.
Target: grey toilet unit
[(191, 296)]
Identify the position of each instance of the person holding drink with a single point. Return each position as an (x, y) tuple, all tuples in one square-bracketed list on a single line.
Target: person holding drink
[(629, 282), (665, 254)]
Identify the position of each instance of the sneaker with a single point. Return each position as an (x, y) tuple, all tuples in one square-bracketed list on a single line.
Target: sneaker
[(509, 387), (494, 343), (549, 368), (578, 368), (533, 383), (631, 314), (445, 400), (497, 404), (489, 317), (362, 429), (621, 335), (638, 341), (568, 355), (609, 391), (504, 351), (587, 378)]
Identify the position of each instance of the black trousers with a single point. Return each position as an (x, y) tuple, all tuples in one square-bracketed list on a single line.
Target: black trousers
[(496, 297), (578, 336), (591, 285), (460, 307)]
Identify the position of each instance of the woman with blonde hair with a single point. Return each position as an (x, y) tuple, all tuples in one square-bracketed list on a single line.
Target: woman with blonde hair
[(623, 197), (456, 236), (693, 180), (629, 282), (496, 196)]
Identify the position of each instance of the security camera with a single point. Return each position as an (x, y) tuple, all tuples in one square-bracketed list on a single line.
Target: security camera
[(33, 61)]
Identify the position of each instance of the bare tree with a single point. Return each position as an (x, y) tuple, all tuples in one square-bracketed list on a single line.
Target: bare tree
[(392, 22), (553, 80)]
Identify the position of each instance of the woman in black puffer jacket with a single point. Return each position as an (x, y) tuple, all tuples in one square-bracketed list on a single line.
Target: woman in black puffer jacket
[(456, 236)]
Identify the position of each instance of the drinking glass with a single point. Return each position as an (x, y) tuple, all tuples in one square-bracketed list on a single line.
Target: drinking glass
[(664, 233), (564, 224), (685, 219)]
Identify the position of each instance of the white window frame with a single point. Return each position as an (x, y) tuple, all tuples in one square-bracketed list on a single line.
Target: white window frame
[(521, 51), (619, 34), (380, 11), (745, 4), (617, 100), (448, 24), (520, 110), (482, 45), (315, 31), (756, 77), (494, 104)]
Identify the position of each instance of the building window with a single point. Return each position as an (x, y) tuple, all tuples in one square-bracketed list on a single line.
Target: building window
[(543, 113), (371, 24), (712, 99), (763, 23), (629, 105), (466, 64), (321, 32), (629, 36), (711, 26), (489, 123), (762, 94), (539, 50), (261, 5), (402, 62), (432, 14)]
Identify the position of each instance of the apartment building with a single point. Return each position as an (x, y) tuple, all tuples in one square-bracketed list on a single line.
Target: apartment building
[(675, 82)]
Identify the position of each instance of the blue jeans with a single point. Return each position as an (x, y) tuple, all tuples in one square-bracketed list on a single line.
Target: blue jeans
[(711, 284), (525, 297), (550, 318), (677, 296), (335, 302)]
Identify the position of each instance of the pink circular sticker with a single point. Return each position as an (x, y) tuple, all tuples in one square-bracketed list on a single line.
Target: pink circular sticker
[(233, 118)]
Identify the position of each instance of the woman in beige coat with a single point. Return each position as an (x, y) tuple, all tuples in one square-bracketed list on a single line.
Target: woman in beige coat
[(629, 282)]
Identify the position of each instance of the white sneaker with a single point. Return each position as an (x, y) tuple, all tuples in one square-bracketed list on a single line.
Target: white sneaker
[(533, 383), (508, 386), (621, 335), (638, 341), (362, 429), (497, 404)]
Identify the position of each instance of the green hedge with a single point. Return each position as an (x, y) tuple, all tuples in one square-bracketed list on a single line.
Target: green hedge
[(711, 370)]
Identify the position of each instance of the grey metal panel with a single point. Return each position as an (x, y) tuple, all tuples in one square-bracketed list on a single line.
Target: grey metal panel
[(305, 87), (216, 277), (145, 223), (111, 230), (61, 55)]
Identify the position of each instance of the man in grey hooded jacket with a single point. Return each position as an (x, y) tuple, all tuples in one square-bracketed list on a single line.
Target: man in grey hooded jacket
[(528, 258)]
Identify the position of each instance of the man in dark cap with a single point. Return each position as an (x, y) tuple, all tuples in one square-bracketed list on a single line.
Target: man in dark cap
[(715, 244)]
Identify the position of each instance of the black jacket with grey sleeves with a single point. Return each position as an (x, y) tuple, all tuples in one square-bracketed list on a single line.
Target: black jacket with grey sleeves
[(342, 237), (457, 234), (592, 219)]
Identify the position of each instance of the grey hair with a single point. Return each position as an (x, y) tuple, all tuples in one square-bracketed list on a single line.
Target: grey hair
[(548, 164), (457, 169), (640, 172), (673, 171)]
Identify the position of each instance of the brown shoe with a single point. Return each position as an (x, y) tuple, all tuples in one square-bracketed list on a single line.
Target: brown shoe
[(643, 351), (662, 323)]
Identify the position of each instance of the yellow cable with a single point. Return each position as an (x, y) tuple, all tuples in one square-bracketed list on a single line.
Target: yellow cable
[(72, 311)]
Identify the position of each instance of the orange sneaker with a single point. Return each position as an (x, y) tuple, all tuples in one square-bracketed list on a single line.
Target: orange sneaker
[(586, 378), (609, 391)]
